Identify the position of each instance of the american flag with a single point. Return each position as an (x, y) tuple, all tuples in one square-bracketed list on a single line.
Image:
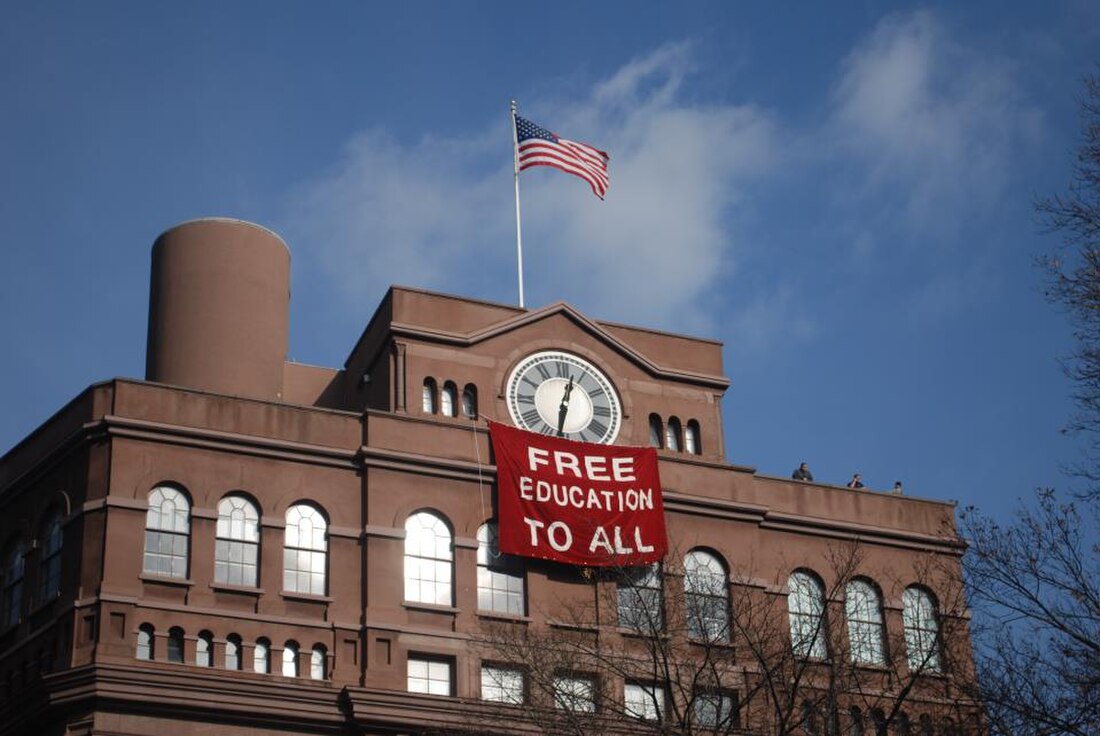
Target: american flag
[(539, 147)]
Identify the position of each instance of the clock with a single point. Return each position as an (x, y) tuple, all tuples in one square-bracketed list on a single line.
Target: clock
[(559, 394)]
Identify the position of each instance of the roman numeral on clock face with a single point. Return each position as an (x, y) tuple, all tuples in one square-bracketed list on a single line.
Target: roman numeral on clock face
[(539, 397)]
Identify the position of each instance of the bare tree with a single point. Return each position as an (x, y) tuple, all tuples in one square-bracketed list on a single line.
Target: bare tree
[(693, 649), (817, 670), (1036, 583), (1034, 579), (1073, 273)]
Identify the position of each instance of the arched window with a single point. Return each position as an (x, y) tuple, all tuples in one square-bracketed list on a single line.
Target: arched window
[(691, 438), (672, 434), (904, 727), (855, 722), (175, 644), (656, 431), (204, 649), (706, 595), (428, 560), (290, 659), (810, 718), (499, 577), (806, 608), (167, 532), (863, 607), (925, 725), (261, 656), (14, 564), (317, 668), (640, 599), (49, 561), (428, 397), (233, 652), (449, 399), (469, 401), (145, 642), (878, 719), (237, 547), (305, 551), (918, 615)]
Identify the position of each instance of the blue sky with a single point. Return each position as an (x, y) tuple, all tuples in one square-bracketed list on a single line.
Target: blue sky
[(840, 193)]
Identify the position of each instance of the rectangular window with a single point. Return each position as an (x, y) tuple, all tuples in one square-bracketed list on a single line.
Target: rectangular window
[(431, 675), (717, 709), (502, 685), (576, 694), (640, 600), (644, 701), (165, 553)]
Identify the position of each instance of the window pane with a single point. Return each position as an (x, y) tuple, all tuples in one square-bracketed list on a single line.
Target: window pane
[(204, 651), (428, 399), (577, 694), (716, 709), (260, 657), (290, 660), (175, 645), (656, 431), (317, 663), (640, 604), (921, 630), (232, 653), (305, 552), (498, 589), (502, 685), (705, 595), (806, 605), (167, 531), (643, 701), (144, 643), (431, 676), (864, 614), (428, 560)]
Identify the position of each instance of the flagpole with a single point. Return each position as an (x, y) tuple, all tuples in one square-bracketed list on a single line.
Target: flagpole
[(519, 230)]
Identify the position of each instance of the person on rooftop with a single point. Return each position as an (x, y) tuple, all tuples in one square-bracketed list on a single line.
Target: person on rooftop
[(856, 481), (803, 473)]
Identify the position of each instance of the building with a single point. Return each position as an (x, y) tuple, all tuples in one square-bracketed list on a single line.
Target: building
[(239, 544)]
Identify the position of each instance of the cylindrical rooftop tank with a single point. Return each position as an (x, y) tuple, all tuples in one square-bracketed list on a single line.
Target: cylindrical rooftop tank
[(219, 303)]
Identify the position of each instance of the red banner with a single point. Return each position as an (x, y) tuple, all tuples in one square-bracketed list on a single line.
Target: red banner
[(577, 502)]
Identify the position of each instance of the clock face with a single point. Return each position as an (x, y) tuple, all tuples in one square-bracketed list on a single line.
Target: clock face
[(559, 394)]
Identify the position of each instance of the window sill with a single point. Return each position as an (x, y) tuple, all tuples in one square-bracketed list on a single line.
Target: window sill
[(243, 589), (164, 580), (433, 607), (931, 674), (514, 618), (716, 643), (639, 634), (310, 597), (572, 626), (871, 666)]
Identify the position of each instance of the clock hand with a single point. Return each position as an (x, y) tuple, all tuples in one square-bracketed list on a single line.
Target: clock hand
[(563, 408)]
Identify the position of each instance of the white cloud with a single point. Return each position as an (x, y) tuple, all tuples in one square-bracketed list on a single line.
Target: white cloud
[(932, 122), (438, 213)]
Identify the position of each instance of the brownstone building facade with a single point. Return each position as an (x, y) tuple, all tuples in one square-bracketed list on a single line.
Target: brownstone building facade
[(245, 545)]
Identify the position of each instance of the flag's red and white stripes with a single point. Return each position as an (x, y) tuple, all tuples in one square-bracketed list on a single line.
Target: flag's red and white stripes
[(571, 157)]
